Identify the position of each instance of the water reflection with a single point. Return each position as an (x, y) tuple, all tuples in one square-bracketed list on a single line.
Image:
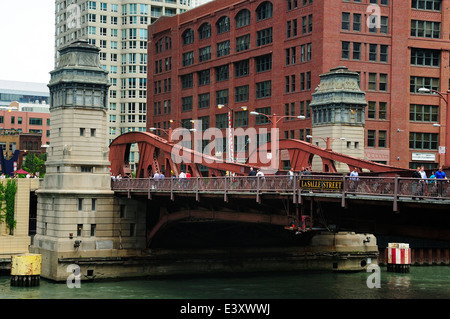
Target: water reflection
[(421, 282)]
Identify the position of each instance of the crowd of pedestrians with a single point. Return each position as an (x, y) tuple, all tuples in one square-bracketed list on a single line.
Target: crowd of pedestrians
[(432, 185)]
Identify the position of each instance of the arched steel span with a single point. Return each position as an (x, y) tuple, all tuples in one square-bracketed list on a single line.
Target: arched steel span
[(301, 154), (156, 153)]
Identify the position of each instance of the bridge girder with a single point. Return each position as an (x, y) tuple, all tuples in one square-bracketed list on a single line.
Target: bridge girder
[(155, 151)]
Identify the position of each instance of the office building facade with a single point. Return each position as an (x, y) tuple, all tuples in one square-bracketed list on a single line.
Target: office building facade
[(268, 56)]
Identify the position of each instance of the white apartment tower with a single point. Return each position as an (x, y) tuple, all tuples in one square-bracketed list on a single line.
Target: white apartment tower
[(119, 29)]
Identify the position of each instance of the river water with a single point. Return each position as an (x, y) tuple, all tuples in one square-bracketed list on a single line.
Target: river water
[(422, 282)]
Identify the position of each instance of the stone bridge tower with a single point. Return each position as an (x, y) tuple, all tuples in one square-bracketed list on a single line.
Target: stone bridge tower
[(77, 212), (338, 109)]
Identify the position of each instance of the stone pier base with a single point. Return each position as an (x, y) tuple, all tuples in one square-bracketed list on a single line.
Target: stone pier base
[(327, 252)]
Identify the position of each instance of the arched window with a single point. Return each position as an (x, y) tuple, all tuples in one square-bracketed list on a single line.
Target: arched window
[(223, 25), (188, 36), (242, 18), (264, 11), (204, 31), (168, 42)]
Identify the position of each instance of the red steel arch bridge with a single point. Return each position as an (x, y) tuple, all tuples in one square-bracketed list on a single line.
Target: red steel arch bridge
[(158, 154)]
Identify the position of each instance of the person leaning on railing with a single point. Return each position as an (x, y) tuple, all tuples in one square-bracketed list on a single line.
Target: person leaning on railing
[(440, 179)]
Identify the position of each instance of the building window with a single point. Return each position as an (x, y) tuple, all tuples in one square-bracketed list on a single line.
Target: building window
[(383, 82), (222, 73), (372, 81), (204, 54), (188, 36), (243, 43), (425, 29), (291, 55), (187, 81), (204, 31), (345, 26), (79, 230), (264, 37), (186, 103), (203, 77), (241, 93), (425, 57), (242, 18), (382, 110), (241, 118), (417, 82), (371, 110), (222, 97), (261, 119), (423, 113), (223, 25), (188, 58), (373, 52), (221, 121), (434, 5), (264, 11), (356, 22), (263, 89), (241, 68), (371, 138), (264, 63), (35, 121), (203, 101), (423, 141), (204, 120), (384, 25), (223, 48), (382, 139), (384, 53), (345, 50), (356, 51), (93, 227)]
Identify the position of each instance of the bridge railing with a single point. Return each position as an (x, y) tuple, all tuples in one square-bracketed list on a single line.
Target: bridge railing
[(346, 185)]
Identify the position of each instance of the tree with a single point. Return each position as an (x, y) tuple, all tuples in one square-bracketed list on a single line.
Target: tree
[(35, 164)]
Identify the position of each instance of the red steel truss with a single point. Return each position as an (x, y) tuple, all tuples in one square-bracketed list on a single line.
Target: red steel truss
[(156, 152)]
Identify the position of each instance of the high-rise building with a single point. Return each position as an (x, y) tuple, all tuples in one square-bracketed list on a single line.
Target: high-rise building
[(268, 56), (119, 29)]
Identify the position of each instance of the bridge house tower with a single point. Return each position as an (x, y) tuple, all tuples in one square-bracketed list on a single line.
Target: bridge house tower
[(338, 109), (77, 212)]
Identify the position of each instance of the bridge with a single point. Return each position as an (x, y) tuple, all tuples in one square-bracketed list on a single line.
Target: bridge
[(396, 206), (382, 199)]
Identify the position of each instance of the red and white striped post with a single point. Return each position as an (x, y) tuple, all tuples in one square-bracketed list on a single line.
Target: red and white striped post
[(398, 257)]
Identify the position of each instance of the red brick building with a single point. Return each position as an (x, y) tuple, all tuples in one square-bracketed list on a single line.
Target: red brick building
[(268, 55)]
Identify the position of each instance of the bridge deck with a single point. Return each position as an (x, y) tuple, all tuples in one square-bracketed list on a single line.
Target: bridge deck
[(337, 187)]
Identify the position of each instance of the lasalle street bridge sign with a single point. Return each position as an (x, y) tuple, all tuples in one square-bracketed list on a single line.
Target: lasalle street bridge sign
[(331, 185)]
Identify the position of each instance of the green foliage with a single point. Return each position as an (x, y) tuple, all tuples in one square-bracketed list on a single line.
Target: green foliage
[(35, 164), (8, 196), (10, 199)]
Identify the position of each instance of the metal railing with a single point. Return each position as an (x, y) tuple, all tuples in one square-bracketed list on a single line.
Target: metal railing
[(394, 187)]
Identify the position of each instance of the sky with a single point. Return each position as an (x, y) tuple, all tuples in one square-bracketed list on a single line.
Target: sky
[(27, 32)]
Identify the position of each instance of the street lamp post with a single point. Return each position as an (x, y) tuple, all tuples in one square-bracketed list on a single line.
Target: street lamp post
[(168, 132), (327, 140), (447, 132), (274, 119), (230, 128)]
